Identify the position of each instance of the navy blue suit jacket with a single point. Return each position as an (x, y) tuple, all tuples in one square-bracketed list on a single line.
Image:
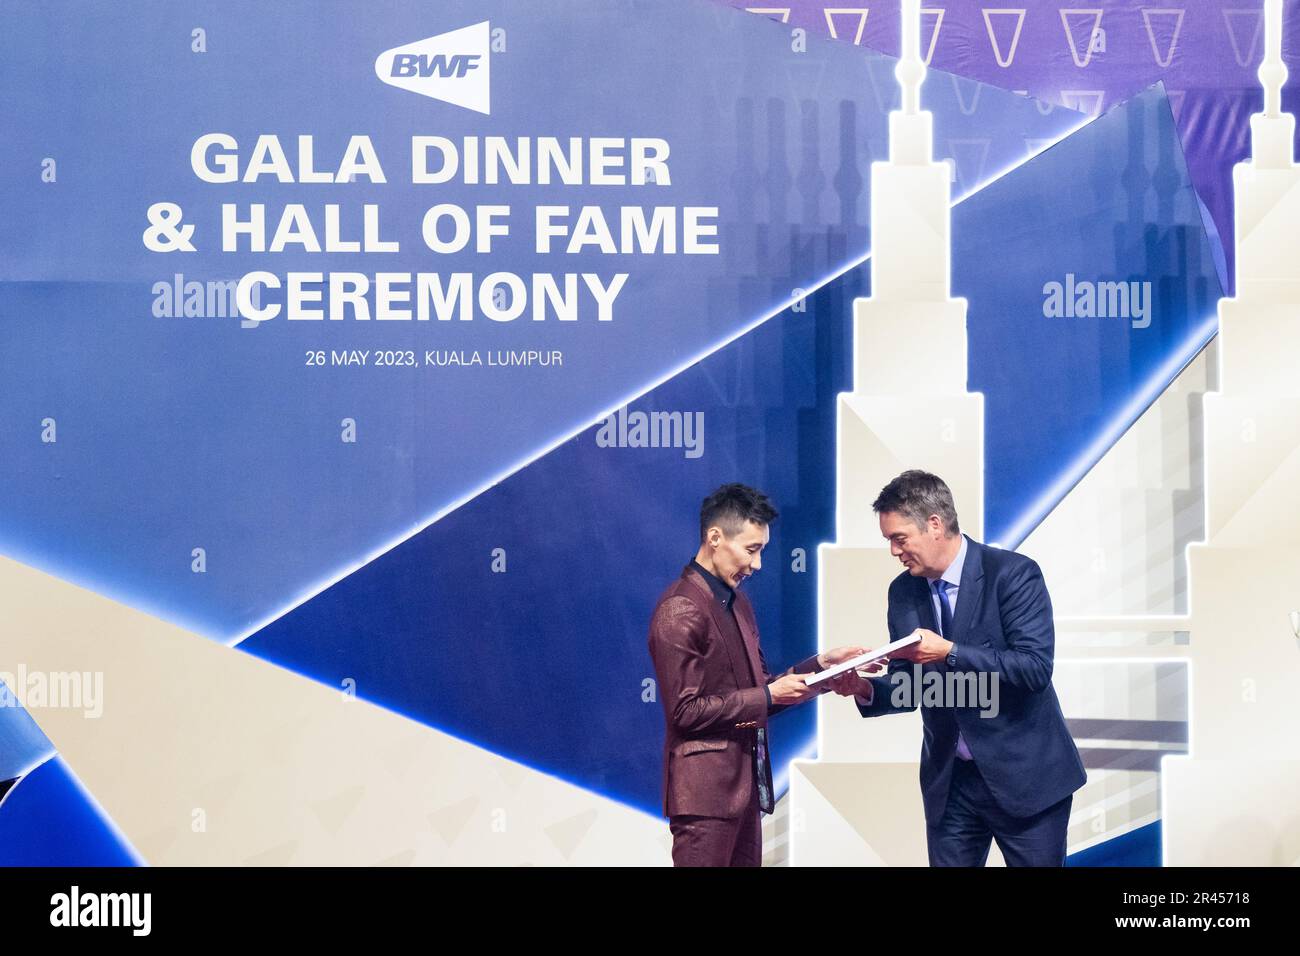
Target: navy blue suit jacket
[(1002, 624)]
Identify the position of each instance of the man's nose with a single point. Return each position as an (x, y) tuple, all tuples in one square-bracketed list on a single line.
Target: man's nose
[(757, 563), (895, 549)]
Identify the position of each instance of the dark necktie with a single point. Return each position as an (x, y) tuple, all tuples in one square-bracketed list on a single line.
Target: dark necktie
[(945, 628), (945, 608), (763, 772)]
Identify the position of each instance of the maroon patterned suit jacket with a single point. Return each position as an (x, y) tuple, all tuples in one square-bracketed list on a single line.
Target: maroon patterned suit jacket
[(714, 698)]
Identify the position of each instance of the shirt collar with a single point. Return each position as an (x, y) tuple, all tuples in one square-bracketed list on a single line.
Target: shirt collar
[(953, 574), (721, 590)]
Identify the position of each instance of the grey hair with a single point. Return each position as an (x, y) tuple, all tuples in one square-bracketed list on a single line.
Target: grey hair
[(916, 495)]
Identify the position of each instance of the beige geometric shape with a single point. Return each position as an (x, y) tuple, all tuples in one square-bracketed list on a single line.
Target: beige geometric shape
[(1233, 812), (819, 833), (911, 222), (879, 803), (567, 834), (396, 760), (162, 838), (1266, 200), (1245, 660), (880, 436), (511, 774), (856, 814), (334, 811), (286, 769), (450, 821), (1254, 359), (878, 327), (219, 792), (280, 855), (1253, 445)]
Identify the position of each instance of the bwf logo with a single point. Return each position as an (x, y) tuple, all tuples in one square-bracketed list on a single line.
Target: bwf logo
[(452, 67), (414, 64)]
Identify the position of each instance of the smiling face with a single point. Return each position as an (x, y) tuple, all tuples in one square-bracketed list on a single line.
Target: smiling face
[(924, 551), (734, 558)]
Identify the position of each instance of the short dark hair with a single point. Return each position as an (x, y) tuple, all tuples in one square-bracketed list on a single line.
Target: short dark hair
[(917, 495), (732, 505)]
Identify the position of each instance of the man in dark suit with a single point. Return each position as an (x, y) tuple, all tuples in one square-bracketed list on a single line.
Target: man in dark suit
[(1007, 769), (716, 691)]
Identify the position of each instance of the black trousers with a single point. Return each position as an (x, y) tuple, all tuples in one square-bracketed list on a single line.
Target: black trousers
[(972, 819)]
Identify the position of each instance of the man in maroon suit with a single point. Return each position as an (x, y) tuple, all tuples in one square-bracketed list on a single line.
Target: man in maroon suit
[(716, 691)]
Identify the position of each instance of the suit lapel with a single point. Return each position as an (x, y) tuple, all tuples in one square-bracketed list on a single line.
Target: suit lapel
[(970, 596), (925, 613), (925, 605), (750, 637), (739, 656)]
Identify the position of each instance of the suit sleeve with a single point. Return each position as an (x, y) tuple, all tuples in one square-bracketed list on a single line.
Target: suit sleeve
[(679, 633), (808, 665), (1026, 612)]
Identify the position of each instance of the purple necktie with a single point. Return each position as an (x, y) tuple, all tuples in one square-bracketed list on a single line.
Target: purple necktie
[(945, 625)]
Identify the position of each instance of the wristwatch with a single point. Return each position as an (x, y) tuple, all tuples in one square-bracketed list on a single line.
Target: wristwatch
[(952, 656)]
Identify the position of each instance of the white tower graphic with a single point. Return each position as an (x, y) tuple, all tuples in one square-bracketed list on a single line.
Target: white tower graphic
[(1235, 799), (860, 802)]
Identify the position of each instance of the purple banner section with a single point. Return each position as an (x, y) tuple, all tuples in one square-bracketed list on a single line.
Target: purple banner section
[(1091, 56)]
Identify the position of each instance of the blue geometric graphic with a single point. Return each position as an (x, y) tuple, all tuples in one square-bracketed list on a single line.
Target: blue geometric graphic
[(1139, 847), (176, 434), (22, 745), (47, 819)]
